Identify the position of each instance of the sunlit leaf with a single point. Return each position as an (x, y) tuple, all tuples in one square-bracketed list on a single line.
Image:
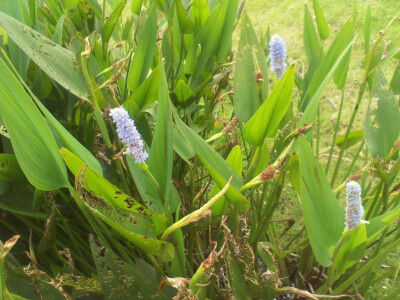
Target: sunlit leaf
[(323, 216)]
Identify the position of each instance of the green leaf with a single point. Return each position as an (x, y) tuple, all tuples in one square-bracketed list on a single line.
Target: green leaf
[(10, 169), (204, 44), (235, 160), (338, 50), (163, 250), (68, 4), (127, 30), (136, 6), (112, 21), (100, 186), (119, 280), (267, 118), (185, 23), (395, 82), (200, 12), (353, 249), (353, 138), (57, 36), (19, 58), (59, 63), (229, 8), (323, 215), (70, 141), (323, 27), (182, 146), (367, 30), (33, 143), (340, 75), (213, 39), (55, 9), (219, 169), (334, 55), (161, 153), (147, 93), (250, 60), (376, 225), (144, 54), (311, 43), (183, 93), (232, 194), (382, 121)]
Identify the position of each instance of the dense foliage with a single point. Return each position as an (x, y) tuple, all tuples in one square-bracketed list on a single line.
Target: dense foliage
[(145, 155)]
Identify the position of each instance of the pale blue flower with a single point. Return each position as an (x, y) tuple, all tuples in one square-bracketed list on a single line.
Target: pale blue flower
[(128, 134), (354, 209), (277, 48)]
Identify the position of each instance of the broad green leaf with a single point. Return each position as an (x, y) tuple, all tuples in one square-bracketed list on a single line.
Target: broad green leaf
[(111, 21), (127, 31), (146, 94), (200, 12), (395, 82), (352, 250), (267, 118), (55, 9), (376, 225), (10, 169), (204, 44), (334, 55), (69, 141), (250, 61), (68, 4), (136, 6), (119, 280), (294, 172), (235, 160), (353, 138), (161, 153), (59, 63), (311, 42), (323, 78), (147, 188), (183, 93), (323, 27), (185, 22), (98, 185), (264, 159), (33, 143), (229, 8), (340, 75), (163, 250), (367, 30), (19, 59), (144, 54), (182, 146), (382, 121), (57, 36), (323, 216)]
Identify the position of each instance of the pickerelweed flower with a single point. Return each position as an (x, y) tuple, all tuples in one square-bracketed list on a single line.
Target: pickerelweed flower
[(277, 48), (128, 134), (354, 209)]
